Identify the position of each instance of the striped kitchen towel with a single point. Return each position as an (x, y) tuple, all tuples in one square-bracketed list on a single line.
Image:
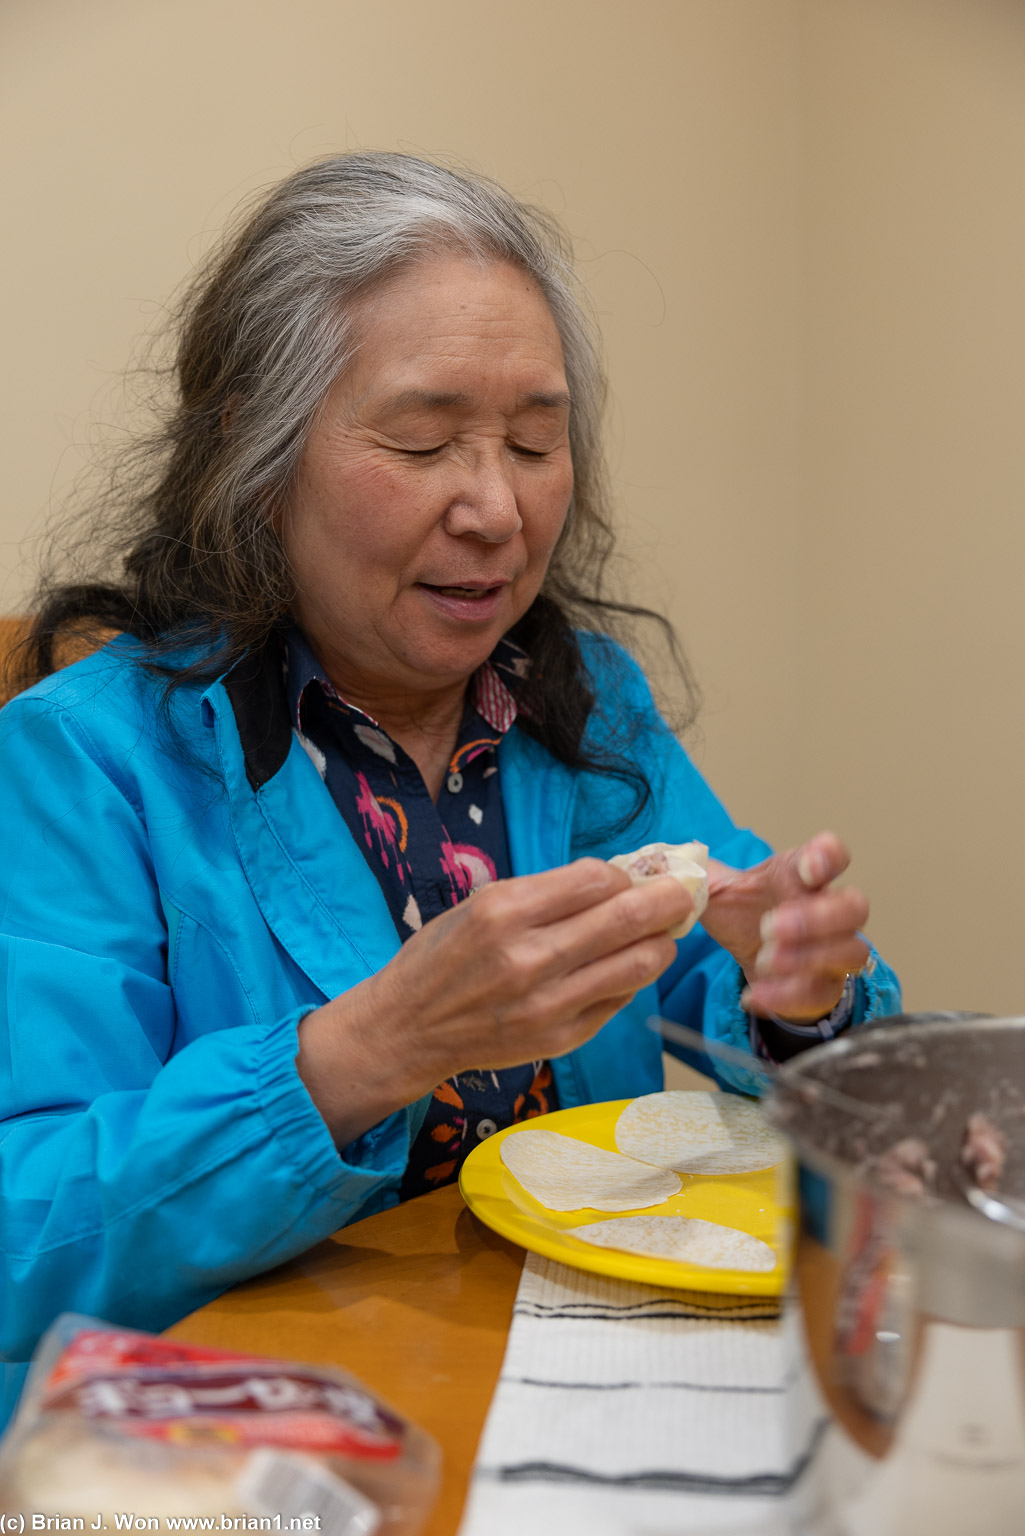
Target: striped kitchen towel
[(626, 1410)]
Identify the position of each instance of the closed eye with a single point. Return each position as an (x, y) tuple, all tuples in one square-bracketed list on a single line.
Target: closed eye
[(429, 453)]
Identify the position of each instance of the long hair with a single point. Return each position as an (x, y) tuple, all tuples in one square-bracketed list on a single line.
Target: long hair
[(263, 330)]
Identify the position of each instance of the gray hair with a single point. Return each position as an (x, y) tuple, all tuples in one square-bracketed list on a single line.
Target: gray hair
[(264, 330), (270, 324)]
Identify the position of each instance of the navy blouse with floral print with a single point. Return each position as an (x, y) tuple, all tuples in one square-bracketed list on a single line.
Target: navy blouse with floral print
[(427, 858)]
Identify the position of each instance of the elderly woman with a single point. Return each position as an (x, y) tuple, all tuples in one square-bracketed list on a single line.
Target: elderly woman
[(360, 677)]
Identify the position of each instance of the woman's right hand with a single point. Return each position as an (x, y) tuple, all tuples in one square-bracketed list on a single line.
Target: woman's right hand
[(525, 969)]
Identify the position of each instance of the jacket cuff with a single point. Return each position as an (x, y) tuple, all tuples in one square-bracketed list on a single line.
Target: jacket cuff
[(878, 991), (375, 1159), (726, 1022), (876, 995)]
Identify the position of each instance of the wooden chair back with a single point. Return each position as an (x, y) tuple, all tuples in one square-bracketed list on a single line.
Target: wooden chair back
[(11, 631), (70, 647)]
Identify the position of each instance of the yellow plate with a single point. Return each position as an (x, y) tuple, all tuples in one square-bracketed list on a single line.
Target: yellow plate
[(758, 1203)]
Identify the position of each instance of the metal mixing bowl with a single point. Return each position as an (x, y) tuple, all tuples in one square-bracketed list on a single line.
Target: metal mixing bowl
[(914, 1309)]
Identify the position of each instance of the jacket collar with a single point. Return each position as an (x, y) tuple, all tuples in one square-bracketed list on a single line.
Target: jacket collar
[(257, 694), (313, 886)]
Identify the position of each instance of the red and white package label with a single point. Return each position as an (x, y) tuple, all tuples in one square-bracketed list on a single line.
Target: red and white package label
[(157, 1389)]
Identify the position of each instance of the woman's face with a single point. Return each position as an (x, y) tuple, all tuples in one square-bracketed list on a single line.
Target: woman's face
[(435, 482)]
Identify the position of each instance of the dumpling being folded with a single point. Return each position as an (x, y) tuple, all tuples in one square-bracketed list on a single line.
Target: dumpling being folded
[(686, 862)]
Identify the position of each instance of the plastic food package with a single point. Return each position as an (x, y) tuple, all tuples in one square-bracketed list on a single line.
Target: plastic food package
[(119, 1430)]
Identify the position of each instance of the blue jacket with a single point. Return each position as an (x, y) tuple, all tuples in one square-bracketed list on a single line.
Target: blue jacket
[(175, 894)]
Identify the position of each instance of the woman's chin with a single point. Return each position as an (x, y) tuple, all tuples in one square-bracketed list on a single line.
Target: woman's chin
[(451, 637), (448, 668)]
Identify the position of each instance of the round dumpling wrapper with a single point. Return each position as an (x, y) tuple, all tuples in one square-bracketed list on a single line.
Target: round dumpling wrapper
[(569, 1175), (686, 862), (687, 1239), (697, 1132)]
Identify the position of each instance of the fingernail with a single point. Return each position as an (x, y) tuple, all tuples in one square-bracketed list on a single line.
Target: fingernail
[(767, 926), (764, 958), (745, 998), (808, 869)]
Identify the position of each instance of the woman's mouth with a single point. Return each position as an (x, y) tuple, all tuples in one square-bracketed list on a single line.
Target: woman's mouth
[(469, 592), (473, 601)]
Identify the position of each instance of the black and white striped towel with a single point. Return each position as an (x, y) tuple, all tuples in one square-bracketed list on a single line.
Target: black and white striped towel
[(625, 1410)]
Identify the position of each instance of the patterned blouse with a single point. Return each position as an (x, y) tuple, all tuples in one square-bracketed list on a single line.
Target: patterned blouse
[(427, 858)]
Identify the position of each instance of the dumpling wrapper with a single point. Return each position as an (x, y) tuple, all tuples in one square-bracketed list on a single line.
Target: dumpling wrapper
[(687, 1239), (569, 1175), (696, 1132), (686, 862)]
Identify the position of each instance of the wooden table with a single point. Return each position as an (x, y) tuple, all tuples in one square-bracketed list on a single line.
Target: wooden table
[(416, 1302)]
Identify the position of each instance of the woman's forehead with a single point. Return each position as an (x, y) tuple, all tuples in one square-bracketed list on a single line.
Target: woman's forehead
[(442, 335), (453, 301)]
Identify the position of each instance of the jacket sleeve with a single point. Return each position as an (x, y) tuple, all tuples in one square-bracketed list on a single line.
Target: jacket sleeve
[(137, 1179), (703, 987)]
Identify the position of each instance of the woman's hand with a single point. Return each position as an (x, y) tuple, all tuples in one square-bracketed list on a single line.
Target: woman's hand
[(794, 937), (525, 969)]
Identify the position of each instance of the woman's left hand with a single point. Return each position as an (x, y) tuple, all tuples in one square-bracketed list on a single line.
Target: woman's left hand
[(795, 938)]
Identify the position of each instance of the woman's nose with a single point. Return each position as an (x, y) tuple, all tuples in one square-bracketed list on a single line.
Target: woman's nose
[(484, 503)]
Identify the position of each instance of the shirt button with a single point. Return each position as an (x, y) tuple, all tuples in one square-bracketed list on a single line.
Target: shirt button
[(486, 1128), (455, 783)]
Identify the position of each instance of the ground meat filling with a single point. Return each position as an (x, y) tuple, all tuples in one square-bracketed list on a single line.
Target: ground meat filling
[(648, 864), (906, 1168), (984, 1152)]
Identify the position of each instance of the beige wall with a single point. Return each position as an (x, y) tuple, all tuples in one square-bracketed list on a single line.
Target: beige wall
[(803, 224), (913, 452)]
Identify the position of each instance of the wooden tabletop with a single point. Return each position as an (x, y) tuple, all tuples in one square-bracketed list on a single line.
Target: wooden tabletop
[(416, 1302)]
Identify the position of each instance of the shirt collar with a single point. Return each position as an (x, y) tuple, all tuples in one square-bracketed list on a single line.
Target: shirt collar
[(492, 691)]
